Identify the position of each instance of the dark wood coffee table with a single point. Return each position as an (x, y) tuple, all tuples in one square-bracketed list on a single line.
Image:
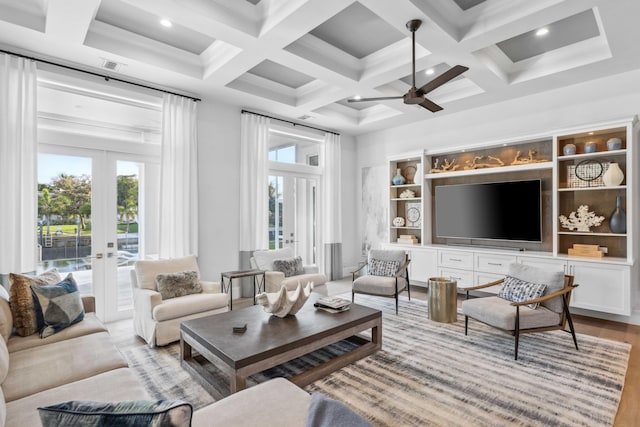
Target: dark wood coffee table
[(270, 341)]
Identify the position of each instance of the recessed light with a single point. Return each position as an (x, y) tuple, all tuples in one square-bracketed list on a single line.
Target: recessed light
[(166, 23), (542, 31), (429, 71), (590, 133), (357, 97)]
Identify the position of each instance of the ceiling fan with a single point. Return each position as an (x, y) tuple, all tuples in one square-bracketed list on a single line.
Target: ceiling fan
[(415, 95)]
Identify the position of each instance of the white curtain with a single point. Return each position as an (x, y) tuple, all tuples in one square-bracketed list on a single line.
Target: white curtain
[(18, 153), (254, 182), (332, 206), (178, 223)]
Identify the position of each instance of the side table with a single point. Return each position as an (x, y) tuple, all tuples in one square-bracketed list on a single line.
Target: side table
[(226, 280)]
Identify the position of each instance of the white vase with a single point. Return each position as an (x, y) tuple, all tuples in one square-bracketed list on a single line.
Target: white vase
[(613, 176)]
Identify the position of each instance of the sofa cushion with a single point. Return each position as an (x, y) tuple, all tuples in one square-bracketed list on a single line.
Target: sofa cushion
[(291, 283), (4, 361), (147, 270), (111, 386), (22, 305), (516, 290), (128, 413), (500, 313), (289, 266), (59, 306), (264, 258), (6, 318), (378, 285), (553, 279), (45, 367), (89, 325), (173, 285), (277, 398), (189, 304)]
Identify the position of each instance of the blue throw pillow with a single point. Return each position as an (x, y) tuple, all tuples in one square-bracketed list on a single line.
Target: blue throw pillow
[(57, 306), (131, 413)]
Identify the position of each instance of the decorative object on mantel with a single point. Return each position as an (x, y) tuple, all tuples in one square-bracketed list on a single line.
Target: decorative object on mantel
[(569, 149), (407, 194), (618, 218), (409, 173), (419, 176), (446, 167), (614, 144), (398, 179), (398, 221), (582, 221), (613, 176), (414, 212), (530, 159), (590, 147), (284, 303), (475, 165), (591, 251)]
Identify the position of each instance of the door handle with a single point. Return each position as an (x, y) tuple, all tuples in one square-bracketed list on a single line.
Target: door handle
[(96, 256)]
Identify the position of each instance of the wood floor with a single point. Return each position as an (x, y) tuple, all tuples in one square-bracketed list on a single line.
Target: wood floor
[(628, 412)]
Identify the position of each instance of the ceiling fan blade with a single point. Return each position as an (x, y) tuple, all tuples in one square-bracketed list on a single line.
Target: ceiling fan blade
[(430, 105), (381, 98), (442, 79)]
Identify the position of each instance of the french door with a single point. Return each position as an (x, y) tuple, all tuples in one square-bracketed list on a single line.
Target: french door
[(293, 214), (92, 211)]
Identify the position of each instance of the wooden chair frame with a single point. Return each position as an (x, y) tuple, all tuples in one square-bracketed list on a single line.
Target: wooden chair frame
[(403, 268), (564, 318)]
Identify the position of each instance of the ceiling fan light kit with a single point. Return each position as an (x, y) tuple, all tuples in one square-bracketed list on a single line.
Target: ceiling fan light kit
[(416, 96)]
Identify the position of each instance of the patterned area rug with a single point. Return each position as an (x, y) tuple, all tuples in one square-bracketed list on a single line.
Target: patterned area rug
[(432, 374)]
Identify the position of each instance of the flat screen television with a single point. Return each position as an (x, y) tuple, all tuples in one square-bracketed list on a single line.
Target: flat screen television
[(498, 211)]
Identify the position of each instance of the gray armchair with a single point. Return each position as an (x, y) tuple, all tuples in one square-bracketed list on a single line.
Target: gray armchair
[(517, 317), (386, 275)]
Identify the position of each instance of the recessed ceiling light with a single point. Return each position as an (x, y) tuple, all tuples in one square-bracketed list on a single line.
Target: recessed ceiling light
[(590, 133), (357, 97), (429, 71), (542, 31), (165, 23)]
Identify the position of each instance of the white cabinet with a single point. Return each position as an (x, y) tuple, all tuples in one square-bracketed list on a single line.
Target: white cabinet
[(552, 264), (601, 287), (423, 264), (493, 263), (455, 259), (463, 278)]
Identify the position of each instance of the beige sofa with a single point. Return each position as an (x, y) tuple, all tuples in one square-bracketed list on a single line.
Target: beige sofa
[(263, 260), (157, 321), (81, 363)]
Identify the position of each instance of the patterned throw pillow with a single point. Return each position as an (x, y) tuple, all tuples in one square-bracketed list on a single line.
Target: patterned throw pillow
[(22, 305), (132, 413), (60, 305), (378, 267), (289, 266), (173, 285), (516, 290)]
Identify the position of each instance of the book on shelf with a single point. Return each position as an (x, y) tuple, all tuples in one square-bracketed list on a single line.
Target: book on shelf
[(407, 239), (592, 251)]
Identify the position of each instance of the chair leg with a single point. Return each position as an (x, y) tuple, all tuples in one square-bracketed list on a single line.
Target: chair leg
[(353, 294), (396, 303), (466, 324), (568, 314), (517, 331), (409, 290)]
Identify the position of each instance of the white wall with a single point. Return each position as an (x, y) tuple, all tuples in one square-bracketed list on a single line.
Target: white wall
[(219, 202)]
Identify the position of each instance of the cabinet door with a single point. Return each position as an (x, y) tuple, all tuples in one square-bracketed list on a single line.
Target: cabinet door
[(455, 259), (423, 265), (482, 278), (602, 287), (545, 263), (494, 263), (463, 278)]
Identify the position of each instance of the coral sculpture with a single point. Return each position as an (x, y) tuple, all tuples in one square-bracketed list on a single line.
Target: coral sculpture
[(582, 220), (285, 302), (407, 194)]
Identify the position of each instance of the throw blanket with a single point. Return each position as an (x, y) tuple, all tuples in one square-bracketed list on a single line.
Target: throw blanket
[(326, 412)]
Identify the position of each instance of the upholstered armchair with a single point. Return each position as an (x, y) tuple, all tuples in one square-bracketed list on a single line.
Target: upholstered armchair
[(386, 275), (530, 300), (277, 275), (168, 292)]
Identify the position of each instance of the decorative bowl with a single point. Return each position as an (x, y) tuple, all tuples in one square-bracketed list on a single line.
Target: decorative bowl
[(284, 303)]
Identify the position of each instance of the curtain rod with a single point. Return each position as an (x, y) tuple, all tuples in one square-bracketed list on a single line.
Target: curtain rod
[(104, 76), (289, 121)]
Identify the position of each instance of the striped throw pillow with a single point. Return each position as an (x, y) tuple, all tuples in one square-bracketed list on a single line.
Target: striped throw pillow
[(516, 290)]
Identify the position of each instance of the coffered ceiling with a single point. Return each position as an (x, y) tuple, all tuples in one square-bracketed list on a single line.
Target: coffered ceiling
[(305, 58)]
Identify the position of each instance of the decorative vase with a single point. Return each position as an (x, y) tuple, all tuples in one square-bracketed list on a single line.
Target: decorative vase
[(614, 144), (618, 219), (398, 179), (613, 176), (590, 147), (569, 149)]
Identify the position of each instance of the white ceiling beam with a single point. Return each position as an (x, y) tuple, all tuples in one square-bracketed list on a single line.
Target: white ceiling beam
[(69, 20)]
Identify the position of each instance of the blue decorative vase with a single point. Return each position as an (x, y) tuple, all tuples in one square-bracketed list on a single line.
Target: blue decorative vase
[(618, 219), (614, 144), (590, 147), (398, 179), (569, 149)]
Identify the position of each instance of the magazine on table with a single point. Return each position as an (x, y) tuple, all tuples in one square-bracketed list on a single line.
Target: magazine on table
[(334, 303)]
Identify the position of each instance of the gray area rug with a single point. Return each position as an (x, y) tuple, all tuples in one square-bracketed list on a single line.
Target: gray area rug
[(432, 374)]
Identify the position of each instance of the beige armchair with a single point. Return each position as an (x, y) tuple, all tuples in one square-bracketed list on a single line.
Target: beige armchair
[(157, 320), (519, 317), (387, 275), (274, 280)]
